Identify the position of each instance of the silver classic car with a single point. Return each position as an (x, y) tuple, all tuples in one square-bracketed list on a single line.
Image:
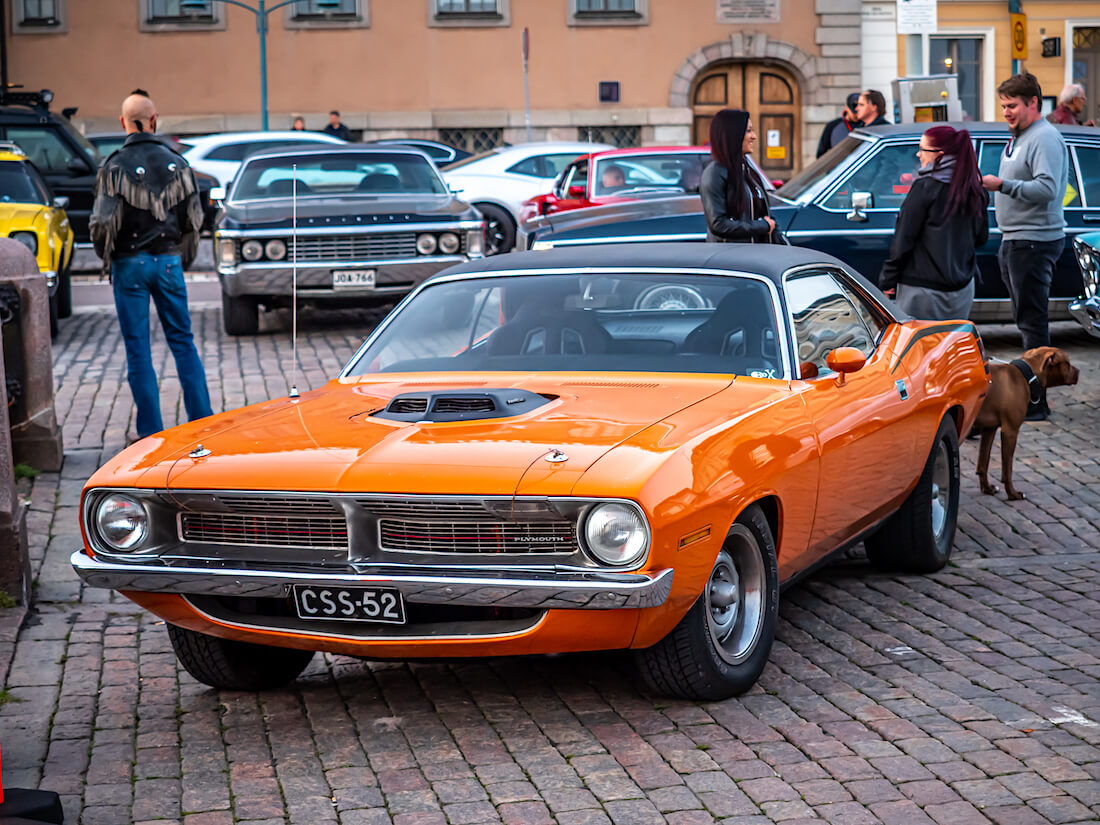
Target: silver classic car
[(352, 225)]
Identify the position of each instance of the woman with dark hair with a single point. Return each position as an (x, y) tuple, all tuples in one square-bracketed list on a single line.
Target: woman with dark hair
[(942, 221), (734, 198)]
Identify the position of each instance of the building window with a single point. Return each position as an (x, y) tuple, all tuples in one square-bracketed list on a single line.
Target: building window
[(468, 12), (38, 16), (327, 14), (621, 137), (960, 56), (608, 12), (180, 15), (474, 141)]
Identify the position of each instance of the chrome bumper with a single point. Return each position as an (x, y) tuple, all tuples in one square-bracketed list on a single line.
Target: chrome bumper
[(573, 589), (1087, 313), (315, 279)]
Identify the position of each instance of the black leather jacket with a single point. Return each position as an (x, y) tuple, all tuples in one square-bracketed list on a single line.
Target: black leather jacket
[(722, 227), (146, 201)]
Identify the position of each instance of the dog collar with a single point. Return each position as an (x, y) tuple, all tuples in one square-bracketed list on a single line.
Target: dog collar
[(1033, 385)]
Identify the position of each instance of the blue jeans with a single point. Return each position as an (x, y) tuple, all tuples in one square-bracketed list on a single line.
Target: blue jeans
[(136, 278)]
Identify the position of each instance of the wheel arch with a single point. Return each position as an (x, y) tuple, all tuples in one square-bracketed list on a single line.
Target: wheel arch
[(476, 202)]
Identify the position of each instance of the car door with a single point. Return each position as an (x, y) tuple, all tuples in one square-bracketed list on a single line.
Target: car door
[(575, 187), (867, 452), (66, 168), (861, 238)]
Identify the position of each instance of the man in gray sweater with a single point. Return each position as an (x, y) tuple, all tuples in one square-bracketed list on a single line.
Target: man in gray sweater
[(1029, 190)]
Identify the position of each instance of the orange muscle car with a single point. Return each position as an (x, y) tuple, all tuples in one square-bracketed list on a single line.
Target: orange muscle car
[(603, 448)]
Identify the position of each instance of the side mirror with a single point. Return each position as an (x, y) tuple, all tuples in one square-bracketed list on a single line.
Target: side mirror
[(217, 194), (77, 166), (60, 202), (860, 201), (844, 360), (575, 191)]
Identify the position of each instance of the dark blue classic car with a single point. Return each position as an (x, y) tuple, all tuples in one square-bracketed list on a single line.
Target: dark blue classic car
[(846, 204)]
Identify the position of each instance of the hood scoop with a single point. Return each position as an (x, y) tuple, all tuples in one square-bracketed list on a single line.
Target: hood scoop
[(461, 405)]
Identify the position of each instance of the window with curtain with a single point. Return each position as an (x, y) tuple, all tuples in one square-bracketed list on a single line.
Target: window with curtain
[(40, 13), (325, 9), (606, 6), (960, 56), (180, 11), (445, 7)]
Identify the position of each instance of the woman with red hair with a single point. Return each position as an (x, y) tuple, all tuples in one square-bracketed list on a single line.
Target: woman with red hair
[(943, 220)]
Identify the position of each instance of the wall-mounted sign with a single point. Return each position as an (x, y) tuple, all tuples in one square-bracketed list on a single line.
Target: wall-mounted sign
[(1019, 36), (748, 11), (773, 137), (916, 16)]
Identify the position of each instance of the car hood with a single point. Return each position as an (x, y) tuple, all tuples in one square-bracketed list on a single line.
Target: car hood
[(329, 211), (16, 216), (632, 210), (330, 439)]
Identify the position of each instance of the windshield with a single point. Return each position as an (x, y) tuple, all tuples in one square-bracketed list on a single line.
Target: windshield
[(636, 322), (16, 185), (338, 173), (626, 174), (820, 168)]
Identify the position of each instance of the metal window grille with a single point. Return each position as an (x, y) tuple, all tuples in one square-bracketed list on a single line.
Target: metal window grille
[(40, 13), (313, 9), (181, 11), (467, 7), (621, 137), (472, 140), (1086, 37), (604, 6)]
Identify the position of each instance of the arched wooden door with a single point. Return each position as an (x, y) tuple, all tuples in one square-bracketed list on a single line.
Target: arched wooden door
[(772, 98)]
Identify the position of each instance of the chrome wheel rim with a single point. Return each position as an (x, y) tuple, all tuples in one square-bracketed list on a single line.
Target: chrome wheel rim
[(941, 489), (735, 597)]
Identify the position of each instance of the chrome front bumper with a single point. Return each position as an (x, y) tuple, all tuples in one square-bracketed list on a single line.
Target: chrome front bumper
[(572, 589), (1087, 313), (393, 276)]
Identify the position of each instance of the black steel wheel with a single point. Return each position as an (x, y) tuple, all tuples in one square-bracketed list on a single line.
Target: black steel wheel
[(721, 646), (230, 665), (500, 229)]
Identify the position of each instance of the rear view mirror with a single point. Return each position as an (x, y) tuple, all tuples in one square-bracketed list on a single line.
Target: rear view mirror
[(860, 201), (576, 191), (60, 202), (217, 194), (844, 360)]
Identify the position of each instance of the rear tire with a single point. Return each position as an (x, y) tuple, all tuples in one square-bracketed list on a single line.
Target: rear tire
[(240, 315), (721, 646), (500, 229), (230, 665), (53, 316), (919, 536), (64, 293)]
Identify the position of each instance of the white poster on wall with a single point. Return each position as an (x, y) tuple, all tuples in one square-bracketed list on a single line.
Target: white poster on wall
[(748, 11), (916, 16)]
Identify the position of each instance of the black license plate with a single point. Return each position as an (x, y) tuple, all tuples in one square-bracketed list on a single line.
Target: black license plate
[(349, 604)]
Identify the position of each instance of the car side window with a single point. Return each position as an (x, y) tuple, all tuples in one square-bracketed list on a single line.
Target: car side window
[(989, 163), (47, 151), (1088, 159), (825, 318), (871, 316), (231, 151), (887, 175), (532, 167)]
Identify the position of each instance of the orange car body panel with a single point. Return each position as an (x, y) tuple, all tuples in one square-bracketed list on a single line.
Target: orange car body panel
[(692, 450)]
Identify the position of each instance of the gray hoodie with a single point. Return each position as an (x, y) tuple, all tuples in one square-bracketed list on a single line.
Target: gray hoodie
[(1034, 171)]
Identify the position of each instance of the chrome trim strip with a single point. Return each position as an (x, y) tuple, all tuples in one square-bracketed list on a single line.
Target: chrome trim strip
[(246, 266), (777, 303), (576, 591), (352, 229), (685, 236)]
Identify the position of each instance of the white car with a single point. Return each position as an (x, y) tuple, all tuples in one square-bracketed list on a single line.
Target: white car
[(221, 155), (499, 181)]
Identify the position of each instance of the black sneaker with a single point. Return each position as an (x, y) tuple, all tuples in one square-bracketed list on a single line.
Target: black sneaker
[(1037, 412)]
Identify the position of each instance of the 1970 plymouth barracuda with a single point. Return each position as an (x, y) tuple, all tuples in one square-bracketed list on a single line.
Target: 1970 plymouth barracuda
[(596, 449), (370, 224), (846, 204)]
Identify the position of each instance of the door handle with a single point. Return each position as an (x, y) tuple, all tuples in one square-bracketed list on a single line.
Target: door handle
[(1091, 218)]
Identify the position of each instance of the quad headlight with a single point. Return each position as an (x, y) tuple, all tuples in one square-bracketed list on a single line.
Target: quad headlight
[(275, 249), (616, 534), (28, 239), (121, 521), (448, 243), (252, 250), (426, 243)]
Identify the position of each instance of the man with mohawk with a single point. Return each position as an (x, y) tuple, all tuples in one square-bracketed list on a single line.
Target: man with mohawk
[(145, 226)]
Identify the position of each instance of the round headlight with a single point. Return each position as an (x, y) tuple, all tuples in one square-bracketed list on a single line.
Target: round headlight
[(122, 522), (28, 239), (252, 250), (275, 250), (425, 244), (448, 243), (615, 534)]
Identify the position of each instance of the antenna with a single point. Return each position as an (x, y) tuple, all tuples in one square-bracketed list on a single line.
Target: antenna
[(294, 281)]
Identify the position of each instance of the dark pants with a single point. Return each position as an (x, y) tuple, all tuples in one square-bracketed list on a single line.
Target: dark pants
[(135, 279), (1026, 269)]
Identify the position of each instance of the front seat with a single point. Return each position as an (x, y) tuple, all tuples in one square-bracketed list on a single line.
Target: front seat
[(534, 331), (744, 311)]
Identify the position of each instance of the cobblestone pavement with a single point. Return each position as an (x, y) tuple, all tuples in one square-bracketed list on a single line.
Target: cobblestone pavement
[(968, 696)]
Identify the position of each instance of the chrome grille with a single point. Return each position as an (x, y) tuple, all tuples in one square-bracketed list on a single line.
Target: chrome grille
[(271, 529), (271, 505), (429, 508), (353, 247), (476, 537)]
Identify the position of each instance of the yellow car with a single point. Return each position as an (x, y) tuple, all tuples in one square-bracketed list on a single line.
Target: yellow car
[(30, 214)]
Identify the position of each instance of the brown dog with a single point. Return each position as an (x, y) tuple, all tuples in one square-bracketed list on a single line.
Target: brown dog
[(1005, 406)]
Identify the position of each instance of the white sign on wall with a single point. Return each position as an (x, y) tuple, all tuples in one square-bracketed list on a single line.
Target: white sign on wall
[(916, 16), (748, 11)]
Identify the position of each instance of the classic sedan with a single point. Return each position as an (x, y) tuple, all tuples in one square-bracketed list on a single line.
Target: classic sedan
[(336, 225), (846, 204), (608, 448), (1086, 309)]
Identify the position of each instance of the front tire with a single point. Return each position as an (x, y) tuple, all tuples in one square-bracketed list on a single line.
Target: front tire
[(500, 229), (240, 315), (230, 665), (919, 536), (65, 292), (721, 646), (53, 316)]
